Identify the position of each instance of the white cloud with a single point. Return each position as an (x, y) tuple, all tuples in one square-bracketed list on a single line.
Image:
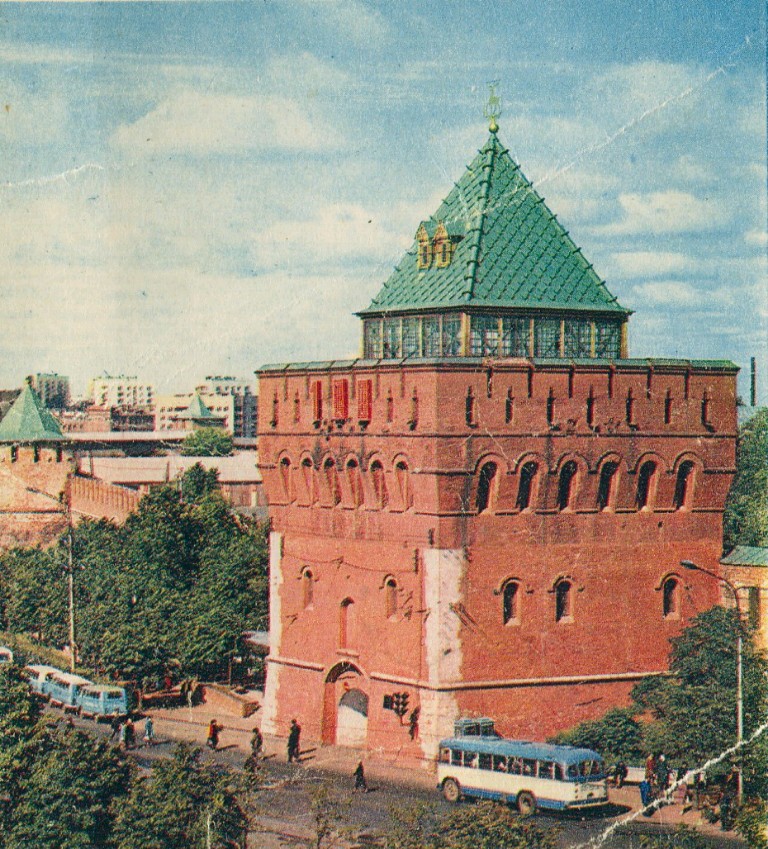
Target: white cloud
[(667, 212), (678, 293), (333, 235), (758, 238), (651, 263), (202, 124)]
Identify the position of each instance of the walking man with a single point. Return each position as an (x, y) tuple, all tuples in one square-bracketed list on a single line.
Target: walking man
[(293, 742), (149, 732), (213, 735)]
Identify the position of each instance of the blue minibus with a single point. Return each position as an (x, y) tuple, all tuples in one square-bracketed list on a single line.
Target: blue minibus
[(97, 701), (63, 689), (39, 676)]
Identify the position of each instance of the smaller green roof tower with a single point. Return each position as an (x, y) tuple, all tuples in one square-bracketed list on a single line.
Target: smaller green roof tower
[(28, 421), (493, 273)]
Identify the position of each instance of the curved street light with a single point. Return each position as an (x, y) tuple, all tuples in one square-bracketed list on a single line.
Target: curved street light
[(689, 564)]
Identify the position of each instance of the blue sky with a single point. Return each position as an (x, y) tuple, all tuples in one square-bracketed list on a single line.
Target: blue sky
[(192, 189)]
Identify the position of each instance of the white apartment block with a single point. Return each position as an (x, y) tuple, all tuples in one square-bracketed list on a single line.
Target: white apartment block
[(120, 391)]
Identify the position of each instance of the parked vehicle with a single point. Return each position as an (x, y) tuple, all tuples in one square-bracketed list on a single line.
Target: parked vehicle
[(6, 655), (39, 676), (97, 701), (64, 688), (528, 775)]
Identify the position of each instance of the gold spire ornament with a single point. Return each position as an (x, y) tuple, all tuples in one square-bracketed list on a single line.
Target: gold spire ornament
[(492, 111)]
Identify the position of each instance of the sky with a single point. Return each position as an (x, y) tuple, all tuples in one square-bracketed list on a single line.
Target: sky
[(196, 189)]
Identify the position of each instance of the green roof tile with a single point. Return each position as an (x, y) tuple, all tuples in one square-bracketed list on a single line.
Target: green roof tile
[(29, 421), (513, 253), (197, 410)]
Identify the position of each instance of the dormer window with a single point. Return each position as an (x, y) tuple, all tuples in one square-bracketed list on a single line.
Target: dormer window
[(424, 256), (442, 247)]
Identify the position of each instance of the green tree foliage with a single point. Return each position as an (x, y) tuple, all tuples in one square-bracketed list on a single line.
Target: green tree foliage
[(489, 825), (207, 442), (691, 715), (746, 511), (330, 812), (617, 736), (752, 824), (68, 797), (683, 837), (176, 585), (184, 803)]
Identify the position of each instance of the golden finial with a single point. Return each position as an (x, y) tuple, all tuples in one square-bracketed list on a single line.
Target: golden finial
[(492, 109)]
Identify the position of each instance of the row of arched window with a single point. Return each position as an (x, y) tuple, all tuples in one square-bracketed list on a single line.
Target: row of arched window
[(350, 485), (563, 600), (563, 607), (347, 484), (569, 478)]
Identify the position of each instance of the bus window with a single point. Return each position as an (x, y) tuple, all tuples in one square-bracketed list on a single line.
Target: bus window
[(499, 763), (485, 761), (456, 757), (515, 766), (529, 767), (445, 756), (470, 760), (573, 770), (559, 772), (546, 769)]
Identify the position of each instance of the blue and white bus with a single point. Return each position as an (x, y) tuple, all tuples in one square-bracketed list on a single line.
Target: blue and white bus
[(528, 775), (39, 676), (63, 689), (97, 701)]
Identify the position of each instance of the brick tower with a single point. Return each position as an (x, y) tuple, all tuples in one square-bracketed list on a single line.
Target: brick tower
[(485, 514)]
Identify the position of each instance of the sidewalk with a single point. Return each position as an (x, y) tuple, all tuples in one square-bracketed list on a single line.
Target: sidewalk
[(191, 724)]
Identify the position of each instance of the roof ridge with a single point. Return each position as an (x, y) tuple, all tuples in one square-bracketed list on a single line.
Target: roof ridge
[(473, 262)]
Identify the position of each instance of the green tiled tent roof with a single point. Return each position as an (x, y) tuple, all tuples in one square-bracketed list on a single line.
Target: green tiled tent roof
[(29, 421), (197, 409), (512, 253)]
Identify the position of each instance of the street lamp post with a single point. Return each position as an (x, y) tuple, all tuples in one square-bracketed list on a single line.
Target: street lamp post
[(689, 564)]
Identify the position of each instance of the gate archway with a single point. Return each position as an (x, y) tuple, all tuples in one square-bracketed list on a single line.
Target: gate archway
[(345, 707)]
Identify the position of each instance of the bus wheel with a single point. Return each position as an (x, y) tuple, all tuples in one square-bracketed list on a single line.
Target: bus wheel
[(526, 803), (451, 791)]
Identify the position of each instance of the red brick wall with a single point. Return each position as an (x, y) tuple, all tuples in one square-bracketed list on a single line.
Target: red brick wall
[(444, 422)]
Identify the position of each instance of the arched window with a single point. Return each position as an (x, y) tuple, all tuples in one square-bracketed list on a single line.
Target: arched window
[(606, 493), (35, 453), (285, 477), (345, 615), (353, 481), (645, 481), (403, 484), (525, 490), (390, 597), (307, 588), (683, 485), (671, 598), (565, 487), (485, 486), (563, 605), (379, 484), (307, 476), (332, 479), (14, 453), (510, 602)]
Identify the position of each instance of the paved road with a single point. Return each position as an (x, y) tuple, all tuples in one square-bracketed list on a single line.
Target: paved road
[(284, 803)]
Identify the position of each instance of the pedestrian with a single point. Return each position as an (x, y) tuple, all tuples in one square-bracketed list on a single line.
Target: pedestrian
[(360, 783), (646, 795), (213, 734), (293, 742), (123, 735), (662, 775), (650, 767), (130, 734), (621, 773), (257, 743), (149, 732), (116, 724)]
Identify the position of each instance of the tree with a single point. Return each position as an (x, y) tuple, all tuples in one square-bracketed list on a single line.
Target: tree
[(489, 825), (329, 813), (69, 795), (207, 442), (683, 837), (746, 511), (617, 736), (184, 803), (197, 482)]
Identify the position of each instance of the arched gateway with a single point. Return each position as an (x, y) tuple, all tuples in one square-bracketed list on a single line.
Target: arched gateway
[(345, 706)]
